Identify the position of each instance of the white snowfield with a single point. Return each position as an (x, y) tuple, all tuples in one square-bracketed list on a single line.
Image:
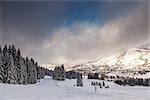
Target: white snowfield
[(49, 89)]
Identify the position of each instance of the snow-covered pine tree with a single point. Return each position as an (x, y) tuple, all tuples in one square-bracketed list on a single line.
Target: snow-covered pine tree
[(42, 72), (63, 73), (12, 72), (38, 70), (15, 60), (24, 71), (32, 72), (79, 81), (5, 64), (1, 67), (55, 73), (21, 69), (28, 69)]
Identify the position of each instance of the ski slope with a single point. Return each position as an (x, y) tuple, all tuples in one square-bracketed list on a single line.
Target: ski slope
[(49, 89)]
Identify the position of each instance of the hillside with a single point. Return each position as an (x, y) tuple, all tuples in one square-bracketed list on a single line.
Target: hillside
[(132, 60)]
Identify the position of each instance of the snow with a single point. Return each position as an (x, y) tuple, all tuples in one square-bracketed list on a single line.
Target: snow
[(48, 89), (134, 59), (147, 75)]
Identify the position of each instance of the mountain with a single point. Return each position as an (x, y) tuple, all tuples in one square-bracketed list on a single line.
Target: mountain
[(135, 59), (49, 66)]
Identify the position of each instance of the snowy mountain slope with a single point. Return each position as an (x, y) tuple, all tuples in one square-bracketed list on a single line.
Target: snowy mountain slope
[(49, 66), (135, 59), (49, 89)]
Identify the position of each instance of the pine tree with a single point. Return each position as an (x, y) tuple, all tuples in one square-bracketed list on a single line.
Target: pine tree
[(63, 73), (34, 72), (23, 71), (100, 85), (42, 72), (15, 60), (79, 81), (28, 70), (32, 78), (103, 83), (1, 67), (19, 69), (38, 72), (5, 64), (12, 73)]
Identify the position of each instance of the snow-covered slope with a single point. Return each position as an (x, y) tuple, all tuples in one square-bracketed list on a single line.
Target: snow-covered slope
[(135, 59), (49, 89), (49, 66)]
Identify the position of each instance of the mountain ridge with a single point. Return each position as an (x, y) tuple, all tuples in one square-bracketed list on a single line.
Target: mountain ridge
[(134, 59)]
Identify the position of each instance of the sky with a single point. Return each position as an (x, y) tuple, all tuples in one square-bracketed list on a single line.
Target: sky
[(73, 31)]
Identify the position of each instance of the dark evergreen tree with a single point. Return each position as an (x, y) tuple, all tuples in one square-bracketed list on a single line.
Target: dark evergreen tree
[(33, 73), (1, 67), (12, 72), (79, 81), (100, 85), (5, 64), (103, 83)]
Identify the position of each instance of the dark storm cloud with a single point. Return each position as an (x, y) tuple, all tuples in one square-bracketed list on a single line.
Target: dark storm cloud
[(30, 19), (71, 32)]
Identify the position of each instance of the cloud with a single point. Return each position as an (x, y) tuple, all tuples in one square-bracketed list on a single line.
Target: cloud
[(29, 20), (87, 41), (80, 41)]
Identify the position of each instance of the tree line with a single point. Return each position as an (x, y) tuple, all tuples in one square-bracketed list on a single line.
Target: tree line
[(16, 69), (133, 81), (60, 74), (121, 80)]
